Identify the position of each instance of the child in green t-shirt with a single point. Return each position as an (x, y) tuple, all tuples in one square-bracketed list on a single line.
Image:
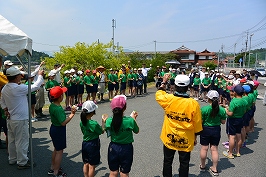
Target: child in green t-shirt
[(91, 142), (196, 85), (58, 128), (121, 128)]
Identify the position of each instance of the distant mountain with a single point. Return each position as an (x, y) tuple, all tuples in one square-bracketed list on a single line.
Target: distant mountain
[(51, 54), (127, 50)]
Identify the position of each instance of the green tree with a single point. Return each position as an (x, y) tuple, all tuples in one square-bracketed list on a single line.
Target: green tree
[(210, 64)]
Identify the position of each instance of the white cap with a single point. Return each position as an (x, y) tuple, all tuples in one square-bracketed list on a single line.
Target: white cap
[(72, 70), (51, 73), (13, 71), (67, 72), (251, 82), (8, 62), (212, 94), (90, 106), (80, 72), (206, 73), (231, 76), (182, 80)]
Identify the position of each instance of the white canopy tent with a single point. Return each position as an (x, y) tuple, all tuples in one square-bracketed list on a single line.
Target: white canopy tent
[(14, 42)]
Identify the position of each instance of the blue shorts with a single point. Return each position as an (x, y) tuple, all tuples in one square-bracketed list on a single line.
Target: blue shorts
[(205, 89), (91, 151), (120, 156), (220, 91), (80, 89), (89, 89), (74, 89), (234, 126), (246, 119), (111, 87), (123, 86), (172, 82), (210, 135), (58, 135)]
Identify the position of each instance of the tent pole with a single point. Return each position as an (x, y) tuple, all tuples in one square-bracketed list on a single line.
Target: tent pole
[(29, 107), (22, 64)]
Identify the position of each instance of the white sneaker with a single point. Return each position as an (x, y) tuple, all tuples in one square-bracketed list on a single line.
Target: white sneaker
[(34, 119), (196, 99)]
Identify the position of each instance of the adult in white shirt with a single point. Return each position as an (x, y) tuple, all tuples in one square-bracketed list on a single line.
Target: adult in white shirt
[(14, 101), (145, 74), (56, 71)]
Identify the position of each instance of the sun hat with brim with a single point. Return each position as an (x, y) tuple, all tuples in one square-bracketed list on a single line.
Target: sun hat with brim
[(238, 89), (100, 68), (57, 91), (119, 101), (212, 94), (8, 62), (182, 80), (89, 106), (230, 76), (13, 71), (246, 88)]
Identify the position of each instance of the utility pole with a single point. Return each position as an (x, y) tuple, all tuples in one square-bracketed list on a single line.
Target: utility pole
[(113, 39), (249, 49), (244, 58), (256, 61), (218, 62), (154, 49), (234, 55)]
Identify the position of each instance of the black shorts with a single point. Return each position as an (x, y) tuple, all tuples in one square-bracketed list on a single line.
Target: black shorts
[(196, 88), (95, 88), (220, 91), (74, 89), (135, 83), (130, 83), (123, 86), (210, 136), (111, 87), (68, 92), (91, 151), (58, 135), (80, 89), (33, 99), (172, 82), (120, 156), (205, 89), (234, 126), (89, 89), (116, 85), (246, 119)]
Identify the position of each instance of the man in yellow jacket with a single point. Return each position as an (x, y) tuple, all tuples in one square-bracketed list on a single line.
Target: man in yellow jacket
[(182, 123)]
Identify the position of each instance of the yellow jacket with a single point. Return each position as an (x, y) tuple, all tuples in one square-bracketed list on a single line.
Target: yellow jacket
[(182, 119)]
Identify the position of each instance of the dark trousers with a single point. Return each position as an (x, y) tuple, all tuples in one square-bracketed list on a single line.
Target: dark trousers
[(145, 84), (184, 158)]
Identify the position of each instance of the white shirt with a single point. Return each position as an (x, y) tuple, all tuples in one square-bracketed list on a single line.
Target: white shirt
[(14, 98), (145, 71), (202, 75), (57, 76)]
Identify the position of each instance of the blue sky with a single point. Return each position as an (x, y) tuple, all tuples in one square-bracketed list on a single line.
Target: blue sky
[(172, 23)]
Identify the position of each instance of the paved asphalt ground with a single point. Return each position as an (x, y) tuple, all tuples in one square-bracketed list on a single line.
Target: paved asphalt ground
[(148, 154)]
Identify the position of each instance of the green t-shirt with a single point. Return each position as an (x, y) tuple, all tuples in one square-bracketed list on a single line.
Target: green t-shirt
[(206, 81), (79, 80), (238, 106), (207, 120), (50, 84), (91, 131), (130, 76), (66, 79), (252, 97), (256, 93), (87, 80), (31, 84), (123, 78), (57, 113), (249, 100), (125, 135), (110, 78), (95, 79), (135, 76), (196, 81), (173, 75), (115, 77), (162, 74)]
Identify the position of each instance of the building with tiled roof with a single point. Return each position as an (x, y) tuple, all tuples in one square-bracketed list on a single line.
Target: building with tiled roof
[(186, 56), (205, 56)]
